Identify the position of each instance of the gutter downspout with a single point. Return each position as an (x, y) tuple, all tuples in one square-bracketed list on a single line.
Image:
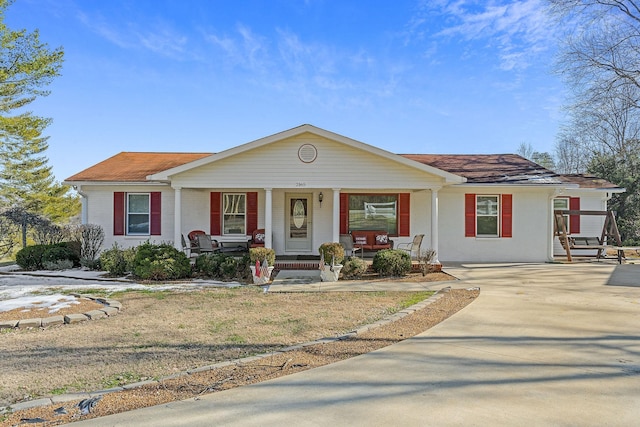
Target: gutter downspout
[(84, 200)]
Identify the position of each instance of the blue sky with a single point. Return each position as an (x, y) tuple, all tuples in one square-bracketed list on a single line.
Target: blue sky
[(195, 75)]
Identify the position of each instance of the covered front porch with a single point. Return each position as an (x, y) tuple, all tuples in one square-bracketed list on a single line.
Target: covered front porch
[(296, 221)]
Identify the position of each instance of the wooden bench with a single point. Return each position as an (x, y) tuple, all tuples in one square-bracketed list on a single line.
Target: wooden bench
[(584, 243)]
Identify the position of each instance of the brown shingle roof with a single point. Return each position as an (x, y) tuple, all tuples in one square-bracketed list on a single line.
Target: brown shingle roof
[(587, 181), (486, 168), (477, 168), (134, 166), (504, 169)]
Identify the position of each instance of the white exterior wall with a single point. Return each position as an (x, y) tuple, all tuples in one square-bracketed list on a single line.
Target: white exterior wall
[(100, 211), (531, 227)]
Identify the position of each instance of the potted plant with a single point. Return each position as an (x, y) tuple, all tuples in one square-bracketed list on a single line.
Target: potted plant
[(258, 256), (331, 257)]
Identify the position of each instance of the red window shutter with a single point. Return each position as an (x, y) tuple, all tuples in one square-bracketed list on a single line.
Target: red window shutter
[(469, 215), (574, 220), (252, 211), (156, 213), (507, 215), (215, 213), (344, 213), (404, 214), (118, 213)]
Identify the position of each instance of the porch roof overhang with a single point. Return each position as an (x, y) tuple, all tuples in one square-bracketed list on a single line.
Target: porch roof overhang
[(447, 177)]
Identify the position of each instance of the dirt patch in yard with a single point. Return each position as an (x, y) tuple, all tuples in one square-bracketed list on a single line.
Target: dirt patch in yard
[(162, 333), (82, 305)]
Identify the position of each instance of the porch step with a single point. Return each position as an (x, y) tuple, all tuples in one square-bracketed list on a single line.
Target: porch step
[(297, 265)]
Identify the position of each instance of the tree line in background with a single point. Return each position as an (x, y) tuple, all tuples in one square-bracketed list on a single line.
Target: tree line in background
[(599, 59), (31, 201)]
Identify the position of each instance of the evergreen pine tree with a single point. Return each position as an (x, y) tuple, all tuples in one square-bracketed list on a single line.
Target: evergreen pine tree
[(27, 66)]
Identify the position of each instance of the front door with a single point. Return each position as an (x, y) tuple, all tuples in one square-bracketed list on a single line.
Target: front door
[(298, 222)]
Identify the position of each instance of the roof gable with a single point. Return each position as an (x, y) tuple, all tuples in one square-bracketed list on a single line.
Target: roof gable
[(300, 130)]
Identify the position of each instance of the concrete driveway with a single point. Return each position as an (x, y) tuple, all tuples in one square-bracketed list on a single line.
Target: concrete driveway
[(545, 344)]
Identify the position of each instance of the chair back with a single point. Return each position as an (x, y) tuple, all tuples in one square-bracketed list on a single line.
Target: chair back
[(193, 235), (346, 241), (415, 246), (204, 242)]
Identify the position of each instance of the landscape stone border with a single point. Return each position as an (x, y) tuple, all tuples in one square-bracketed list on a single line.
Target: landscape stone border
[(111, 308), (83, 395)]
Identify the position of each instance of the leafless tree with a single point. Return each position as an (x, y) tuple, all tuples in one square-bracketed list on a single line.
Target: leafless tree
[(571, 157), (92, 239), (600, 50)]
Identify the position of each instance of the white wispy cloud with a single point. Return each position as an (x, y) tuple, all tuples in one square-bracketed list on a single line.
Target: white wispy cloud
[(158, 37), (319, 73), (517, 30)]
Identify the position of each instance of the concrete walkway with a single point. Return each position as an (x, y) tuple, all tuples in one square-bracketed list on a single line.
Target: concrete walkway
[(544, 344)]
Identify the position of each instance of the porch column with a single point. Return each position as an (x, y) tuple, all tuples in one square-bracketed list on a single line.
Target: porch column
[(434, 223), (177, 218), (268, 218), (336, 215)]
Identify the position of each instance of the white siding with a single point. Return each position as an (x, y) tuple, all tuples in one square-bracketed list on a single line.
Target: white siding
[(531, 228), (278, 166), (100, 211)]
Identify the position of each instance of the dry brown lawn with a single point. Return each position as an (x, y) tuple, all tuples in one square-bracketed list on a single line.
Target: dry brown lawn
[(158, 334)]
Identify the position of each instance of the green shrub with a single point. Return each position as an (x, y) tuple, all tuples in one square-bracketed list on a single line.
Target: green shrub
[(332, 251), (354, 268), (228, 268), (259, 254), (208, 264), (244, 272), (117, 261), (59, 252), (160, 262), (34, 257), (30, 258), (392, 262), (220, 266)]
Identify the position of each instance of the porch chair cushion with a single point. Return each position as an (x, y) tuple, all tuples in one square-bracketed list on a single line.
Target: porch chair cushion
[(382, 239), (360, 240), (257, 238)]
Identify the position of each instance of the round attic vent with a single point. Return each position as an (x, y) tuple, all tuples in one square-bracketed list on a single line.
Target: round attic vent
[(307, 153)]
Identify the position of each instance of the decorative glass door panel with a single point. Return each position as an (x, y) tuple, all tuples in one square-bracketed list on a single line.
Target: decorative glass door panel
[(298, 218), (298, 222)]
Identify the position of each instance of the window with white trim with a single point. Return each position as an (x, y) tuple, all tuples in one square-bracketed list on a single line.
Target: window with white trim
[(487, 216), (562, 203), (234, 213), (138, 213)]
